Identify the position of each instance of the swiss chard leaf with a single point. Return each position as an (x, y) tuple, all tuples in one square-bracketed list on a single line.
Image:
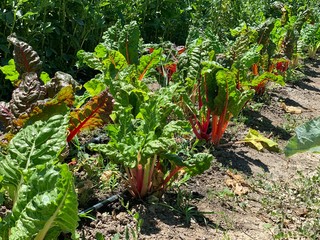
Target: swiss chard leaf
[(42, 190), (10, 72), (267, 76), (129, 42), (194, 165), (222, 91), (26, 59), (29, 91), (46, 206), (148, 62), (42, 141), (94, 113), (307, 139)]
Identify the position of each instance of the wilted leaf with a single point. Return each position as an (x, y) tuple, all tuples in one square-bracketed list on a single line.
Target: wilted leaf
[(259, 141), (237, 183), (291, 109)]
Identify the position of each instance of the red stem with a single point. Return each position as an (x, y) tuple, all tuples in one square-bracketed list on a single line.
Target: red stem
[(139, 178), (171, 174)]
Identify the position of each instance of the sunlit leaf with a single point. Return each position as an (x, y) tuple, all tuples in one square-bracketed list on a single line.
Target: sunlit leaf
[(307, 139), (259, 141), (94, 113)]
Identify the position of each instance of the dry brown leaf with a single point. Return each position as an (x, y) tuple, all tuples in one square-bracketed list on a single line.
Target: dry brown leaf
[(291, 109), (237, 183)]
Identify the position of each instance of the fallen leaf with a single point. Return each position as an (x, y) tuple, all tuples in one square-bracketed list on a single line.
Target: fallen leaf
[(291, 109), (259, 141), (237, 183)]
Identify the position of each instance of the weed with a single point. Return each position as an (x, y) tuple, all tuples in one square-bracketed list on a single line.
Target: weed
[(183, 207), (294, 207), (291, 122)]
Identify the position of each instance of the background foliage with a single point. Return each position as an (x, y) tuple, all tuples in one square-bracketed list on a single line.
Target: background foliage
[(58, 29)]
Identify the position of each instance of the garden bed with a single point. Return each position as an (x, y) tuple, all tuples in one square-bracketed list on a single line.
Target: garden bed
[(246, 194)]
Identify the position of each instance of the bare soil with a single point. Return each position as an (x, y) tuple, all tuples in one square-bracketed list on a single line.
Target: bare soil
[(234, 198)]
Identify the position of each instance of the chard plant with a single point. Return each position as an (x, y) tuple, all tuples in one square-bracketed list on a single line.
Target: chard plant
[(42, 120), (213, 95), (143, 142), (31, 96), (218, 101), (44, 201), (310, 39), (145, 122), (252, 56)]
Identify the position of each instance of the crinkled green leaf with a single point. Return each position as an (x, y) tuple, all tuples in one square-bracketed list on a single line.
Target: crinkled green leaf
[(108, 61), (259, 141), (251, 56), (307, 139), (42, 190), (194, 165), (112, 35), (47, 205), (94, 87), (198, 163), (267, 76), (45, 78), (42, 141), (157, 147), (11, 174)]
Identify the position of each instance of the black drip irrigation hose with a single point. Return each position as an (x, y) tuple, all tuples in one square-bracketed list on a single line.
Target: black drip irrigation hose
[(101, 204)]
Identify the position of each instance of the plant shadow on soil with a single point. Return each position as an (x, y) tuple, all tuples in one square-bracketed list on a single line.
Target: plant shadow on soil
[(257, 121), (238, 160), (174, 214)]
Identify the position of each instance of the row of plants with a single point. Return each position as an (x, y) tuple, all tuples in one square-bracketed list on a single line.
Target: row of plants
[(80, 24), (153, 97)]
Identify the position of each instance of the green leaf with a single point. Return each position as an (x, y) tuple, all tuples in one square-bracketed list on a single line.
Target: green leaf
[(267, 76), (47, 206), (148, 62), (251, 56), (45, 77), (195, 165), (129, 42), (211, 88), (221, 88), (307, 139), (94, 87), (42, 141), (42, 190), (10, 72), (259, 141)]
